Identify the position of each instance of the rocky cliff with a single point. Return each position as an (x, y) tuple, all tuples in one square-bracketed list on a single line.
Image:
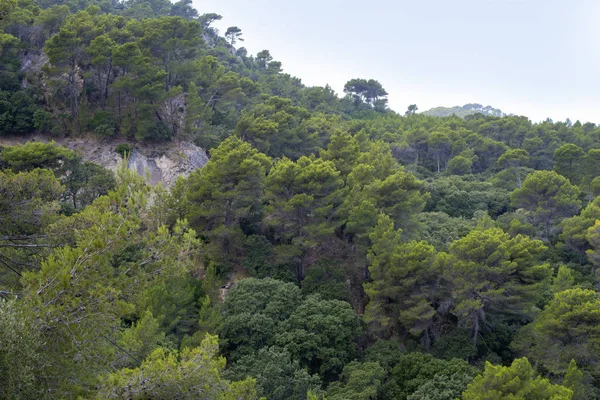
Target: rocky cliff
[(163, 162)]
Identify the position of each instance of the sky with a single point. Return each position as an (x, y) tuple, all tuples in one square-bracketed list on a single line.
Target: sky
[(538, 58)]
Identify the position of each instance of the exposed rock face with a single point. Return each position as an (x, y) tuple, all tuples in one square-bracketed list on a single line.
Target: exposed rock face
[(163, 162), (164, 167)]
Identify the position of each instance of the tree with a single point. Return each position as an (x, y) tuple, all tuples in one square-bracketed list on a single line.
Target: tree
[(593, 238), (327, 279), (85, 182), (302, 197), (252, 312), (416, 372), (86, 287), (263, 58), (549, 196), (567, 329), (368, 91), (233, 34), (358, 381), (462, 164), (321, 334), (574, 380), (184, 9), (403, 283), (278, 376), (441, 147), (400, 195), (17, 111), (442, 387), (514, 382), (225, 193), (412, 110), (563, 280), (194, 111), (591, 171), (192, 374), (34, 155), (101, 52), (440, 230), (568, 160), (20, 354), (277, 128), (29, 203), (5, 7), (223, 92), (140, 340), (575, 229), (515, 159), (343, 150), (66, 53), (493, 273)]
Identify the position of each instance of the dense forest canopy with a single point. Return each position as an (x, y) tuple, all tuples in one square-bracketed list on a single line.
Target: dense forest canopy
[(331, 248)]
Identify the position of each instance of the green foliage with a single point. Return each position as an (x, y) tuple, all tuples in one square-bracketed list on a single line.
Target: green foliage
[(173, 303), (278, 128), (440, 230), (225, 193), (111, 274), (233, 34), (549, 197), (418, 373), (140, 340), (277, 375), (494, 273), (368, 91), (515, 159), (20, 353), (462, 197), (192, 374), (28, 201), (360, 381), (574, 380), (17, 112), (514, 382), (327, 279), (123, 149), (321, 334), (567, 329), (92, 277), (442, 387), (302, 197), (568, 160), (575, 229), (37, 155), (403, 281), (84, 182), (387, 353), (252, 312)]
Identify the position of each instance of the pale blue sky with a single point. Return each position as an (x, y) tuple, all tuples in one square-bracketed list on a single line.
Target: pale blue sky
[(539, 58)]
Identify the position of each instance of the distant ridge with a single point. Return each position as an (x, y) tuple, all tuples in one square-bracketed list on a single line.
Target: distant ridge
[(467, 109)]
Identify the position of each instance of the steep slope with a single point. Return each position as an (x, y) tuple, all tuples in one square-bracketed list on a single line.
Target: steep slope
[(163, 162)]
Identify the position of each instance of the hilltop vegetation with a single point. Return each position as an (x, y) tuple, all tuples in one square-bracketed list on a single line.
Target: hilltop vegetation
[(330, 248)]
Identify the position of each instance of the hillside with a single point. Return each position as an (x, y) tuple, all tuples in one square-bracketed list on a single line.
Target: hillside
[(327, 247), (163, 162)]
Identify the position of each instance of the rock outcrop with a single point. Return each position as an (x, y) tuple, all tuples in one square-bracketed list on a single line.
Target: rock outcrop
[(163, 162)]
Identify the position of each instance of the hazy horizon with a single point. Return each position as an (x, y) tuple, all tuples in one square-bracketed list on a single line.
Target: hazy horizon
[(535, 58)]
